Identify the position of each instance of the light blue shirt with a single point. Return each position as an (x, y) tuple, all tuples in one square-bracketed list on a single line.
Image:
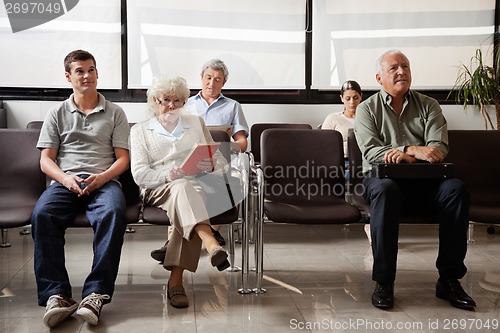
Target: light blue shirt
[(154, 124), (223, 111)]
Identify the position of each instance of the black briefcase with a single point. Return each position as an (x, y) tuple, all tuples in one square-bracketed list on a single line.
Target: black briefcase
[(413, 170)]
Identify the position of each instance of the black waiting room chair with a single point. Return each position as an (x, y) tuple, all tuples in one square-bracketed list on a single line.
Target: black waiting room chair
[(301, 181), (21, 180)]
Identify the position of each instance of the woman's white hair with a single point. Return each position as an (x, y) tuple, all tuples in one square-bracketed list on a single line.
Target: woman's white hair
[(166, 86)]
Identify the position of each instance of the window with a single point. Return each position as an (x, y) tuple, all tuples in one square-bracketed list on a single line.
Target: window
[(437, 37), (270, 55), (262, 42), (34, 57)]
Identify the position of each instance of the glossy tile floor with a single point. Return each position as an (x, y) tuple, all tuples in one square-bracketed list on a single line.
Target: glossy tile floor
[(318, 279)]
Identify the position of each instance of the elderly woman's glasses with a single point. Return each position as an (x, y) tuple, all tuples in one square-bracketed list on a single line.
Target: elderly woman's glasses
[(177, 103)]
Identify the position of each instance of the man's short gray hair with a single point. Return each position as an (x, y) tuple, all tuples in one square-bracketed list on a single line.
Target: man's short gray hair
[(381, 58), (216, 65)]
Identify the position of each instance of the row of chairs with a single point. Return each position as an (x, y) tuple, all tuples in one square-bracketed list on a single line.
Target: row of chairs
[(295, 176), (302, 179), (472, 152), (280, 206), (22, 182)]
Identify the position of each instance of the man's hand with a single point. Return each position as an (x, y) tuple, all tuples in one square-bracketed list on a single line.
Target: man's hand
[(92, 183), (425, 153), (83, 186), (72, 183), (397, 156)]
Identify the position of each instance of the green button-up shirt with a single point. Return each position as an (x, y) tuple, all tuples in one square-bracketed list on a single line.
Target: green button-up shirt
[(378, 127)]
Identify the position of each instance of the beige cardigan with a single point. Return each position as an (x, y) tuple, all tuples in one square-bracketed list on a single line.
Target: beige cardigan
[(152, 155)]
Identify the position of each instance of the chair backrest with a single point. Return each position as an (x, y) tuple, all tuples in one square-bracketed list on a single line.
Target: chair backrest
[(3, 117), (355, 161), (256, 132), (303, 173), (474, 154), (21, 179), (354, 184), (35, 124), (298, 162)]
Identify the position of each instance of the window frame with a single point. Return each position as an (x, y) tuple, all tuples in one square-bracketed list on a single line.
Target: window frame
[(244, 96)]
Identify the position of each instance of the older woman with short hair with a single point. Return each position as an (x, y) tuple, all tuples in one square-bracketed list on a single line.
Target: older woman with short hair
[(158, 146)]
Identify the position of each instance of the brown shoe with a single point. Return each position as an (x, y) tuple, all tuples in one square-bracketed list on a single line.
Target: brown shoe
[(159, 254), (217, 256), (177, 297)]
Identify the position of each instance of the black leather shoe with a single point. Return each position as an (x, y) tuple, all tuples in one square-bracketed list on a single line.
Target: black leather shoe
[(452, 291), (218, 237), (383, 296), (159, 254)]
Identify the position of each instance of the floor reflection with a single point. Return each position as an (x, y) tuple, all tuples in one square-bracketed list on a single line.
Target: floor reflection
[(314, 275)]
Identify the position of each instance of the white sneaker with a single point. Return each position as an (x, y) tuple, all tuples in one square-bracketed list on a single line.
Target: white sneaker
[(90, 307), (58, 308)]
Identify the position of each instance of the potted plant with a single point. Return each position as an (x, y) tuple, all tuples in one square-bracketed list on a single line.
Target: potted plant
[(479, 84)]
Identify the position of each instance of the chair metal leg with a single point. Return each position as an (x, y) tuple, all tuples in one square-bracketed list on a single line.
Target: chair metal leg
[(5, 238), (233, 267), (253, 212), (470, 234), (238, 231), (259, 233), (244, 239), (129, 230)]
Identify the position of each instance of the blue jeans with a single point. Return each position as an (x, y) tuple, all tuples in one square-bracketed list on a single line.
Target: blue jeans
[(54, 212), (447, 199)]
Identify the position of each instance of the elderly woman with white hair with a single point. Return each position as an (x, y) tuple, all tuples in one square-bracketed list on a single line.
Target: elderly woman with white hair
[(158, 146)]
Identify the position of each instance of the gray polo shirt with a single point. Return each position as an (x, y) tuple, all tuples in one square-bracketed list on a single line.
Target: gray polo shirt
[(85, 143)]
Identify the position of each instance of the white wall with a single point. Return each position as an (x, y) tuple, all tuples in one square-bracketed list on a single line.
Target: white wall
[(20, 113)]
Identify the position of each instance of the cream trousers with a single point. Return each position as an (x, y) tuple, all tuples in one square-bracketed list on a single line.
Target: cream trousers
[(184, 205)]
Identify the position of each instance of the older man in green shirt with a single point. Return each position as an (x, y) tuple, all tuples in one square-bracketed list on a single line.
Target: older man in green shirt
[(398, 125)]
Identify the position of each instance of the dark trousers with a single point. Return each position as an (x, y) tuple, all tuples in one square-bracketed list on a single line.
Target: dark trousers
[(446, 200), (54, 212)]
